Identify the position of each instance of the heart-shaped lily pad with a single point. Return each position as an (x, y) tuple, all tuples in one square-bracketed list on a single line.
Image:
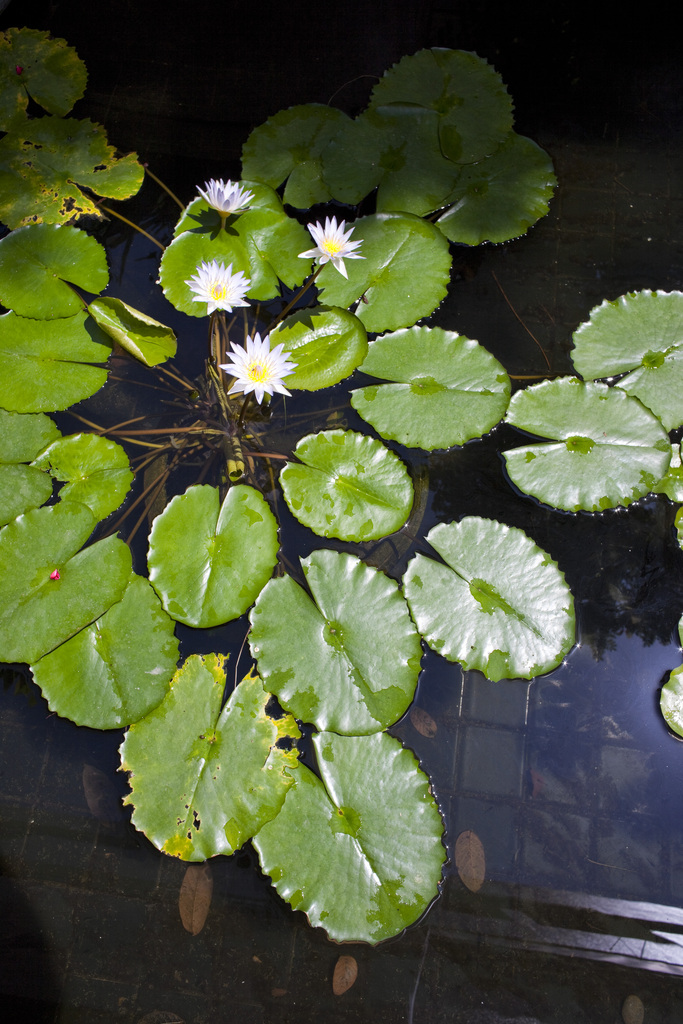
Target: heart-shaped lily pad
[(610, 450), (403, 275), (44, 364), (359, 849), (208, 562), (641, 332), (326, 343), (38, 265), (447, 388), (21, 438), (500, 604), (347, 485), (118, 668), (49, 589), (346, 660), (222, 777), (32, 64)]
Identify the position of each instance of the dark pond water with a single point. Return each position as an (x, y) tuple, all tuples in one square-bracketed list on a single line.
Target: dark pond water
[(572, 782)]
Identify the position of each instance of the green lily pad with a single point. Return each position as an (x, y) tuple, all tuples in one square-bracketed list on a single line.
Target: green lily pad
[(21, 438), (45, 164), (500, 197), (44, 364), (95, 470), (39, 612), (349, 658), (32, 64), (38, 265), (672, 483), (222, 777), (610, 450), (144, 338), (207, 562), (447, 389), (263, 243), (358, 850), (500, 604), (118, 668), (326, 343), (289, 147), (641, 332), (403, 276), (671, 700), (347, 485), (472, 104)]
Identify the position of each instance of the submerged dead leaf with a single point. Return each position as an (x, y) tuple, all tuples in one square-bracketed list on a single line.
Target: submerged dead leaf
[(470, 860), (195, 897), (161, 1017), (423, 722), (345, 974), (633, 1011), (101, 796)]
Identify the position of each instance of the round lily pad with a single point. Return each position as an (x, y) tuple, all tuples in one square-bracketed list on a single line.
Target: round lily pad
[(49, 589), (94, 469), (403, 275), (45, 364), (641, 332), (208, 562), (447, 388), (499, 604), (671, 697), (32, 64), (347, 485), (346, 659), (326, 343), (114, 671), (38, 265), (610, 450), (204, 780), (500, 197), (358, 850)]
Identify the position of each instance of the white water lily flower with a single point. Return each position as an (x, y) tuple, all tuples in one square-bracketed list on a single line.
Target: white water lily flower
[(258, 369), (226, 196), (332, 245), (217, 285)]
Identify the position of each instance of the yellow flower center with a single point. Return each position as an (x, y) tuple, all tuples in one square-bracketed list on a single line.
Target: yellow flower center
[(258, 372), (218, 291), (332, 248)]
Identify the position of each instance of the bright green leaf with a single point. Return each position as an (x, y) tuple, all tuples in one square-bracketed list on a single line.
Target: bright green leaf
[(447, 388), (499, 604), (37, 613), (204, 780), (359, 849), (36, 263), (610, 450), (348, 486), (21, 438), (118, 668), (326, 343), (96, 471), (347, 659), (144, 338), (208, 562)]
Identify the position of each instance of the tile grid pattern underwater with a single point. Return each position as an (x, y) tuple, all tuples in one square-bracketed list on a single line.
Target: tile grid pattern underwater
[(561, 792)]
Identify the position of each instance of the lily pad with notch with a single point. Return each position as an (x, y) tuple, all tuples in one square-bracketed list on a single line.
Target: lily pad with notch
[(445, 390), (34, 65), (347, 485), (346, 658), (226, 772), (609, 449), (359, 849), (22, 437), (94, 470), (497, 602)]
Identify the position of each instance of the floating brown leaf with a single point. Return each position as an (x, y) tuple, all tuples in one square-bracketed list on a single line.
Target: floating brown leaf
[(195, 897), (633, 1011), (423, 722), (345, 974), (101, 796), (470, 860)]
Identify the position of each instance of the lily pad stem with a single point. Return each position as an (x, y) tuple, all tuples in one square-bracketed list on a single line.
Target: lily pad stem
[(292, 302), (132, 224)]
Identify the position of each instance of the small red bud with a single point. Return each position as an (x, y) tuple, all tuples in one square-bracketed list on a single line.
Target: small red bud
[(54, 575), (18, 68)]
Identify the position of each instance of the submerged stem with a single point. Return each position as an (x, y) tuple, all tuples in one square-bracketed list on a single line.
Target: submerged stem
[(166, 189), (131, 224)]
